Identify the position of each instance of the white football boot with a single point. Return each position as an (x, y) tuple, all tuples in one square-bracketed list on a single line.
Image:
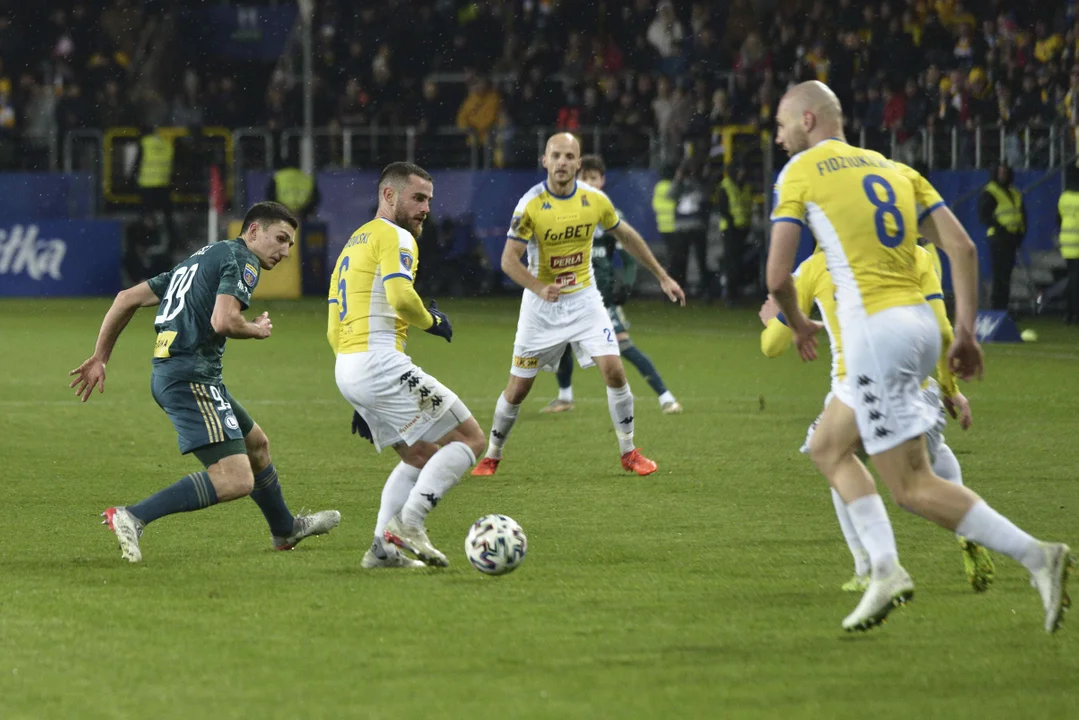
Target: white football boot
[(127, 529), (394, 558), (414, 539), (879, 599), (308, 525), (1051, 582)]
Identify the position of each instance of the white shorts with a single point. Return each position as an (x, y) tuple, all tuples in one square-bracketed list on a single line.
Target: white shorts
[(888, 356), (934, 438), (544, 329), (398, 401)]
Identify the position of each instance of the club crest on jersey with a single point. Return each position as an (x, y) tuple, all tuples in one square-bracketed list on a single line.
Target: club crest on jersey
[(250, 275), (406, 260), (584, 201), (515, 223)]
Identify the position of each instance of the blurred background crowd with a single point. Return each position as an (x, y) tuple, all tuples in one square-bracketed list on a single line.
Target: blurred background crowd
[(679, 70)]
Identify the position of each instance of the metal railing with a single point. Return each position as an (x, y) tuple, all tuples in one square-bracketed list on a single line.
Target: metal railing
[(953, 148)]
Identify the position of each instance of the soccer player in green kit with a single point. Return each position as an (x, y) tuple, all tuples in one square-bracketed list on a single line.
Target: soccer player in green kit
[(200, 304), (594, 171)]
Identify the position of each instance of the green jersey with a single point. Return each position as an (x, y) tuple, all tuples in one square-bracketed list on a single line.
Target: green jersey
[(604, 247), (187, 347)]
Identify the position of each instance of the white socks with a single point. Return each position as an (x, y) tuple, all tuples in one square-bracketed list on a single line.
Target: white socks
[(870, 519), (566, 394), (440, 474), (857, 550), (667, 397), (394, 494), (987, 527), (505, 417), (946, 466), (620, 403)]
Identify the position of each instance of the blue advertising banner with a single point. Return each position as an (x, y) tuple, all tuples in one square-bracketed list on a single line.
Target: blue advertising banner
[(45, 196), (60, 257)]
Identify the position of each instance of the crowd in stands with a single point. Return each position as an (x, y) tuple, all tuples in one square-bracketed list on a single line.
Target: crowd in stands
[(675, 70)]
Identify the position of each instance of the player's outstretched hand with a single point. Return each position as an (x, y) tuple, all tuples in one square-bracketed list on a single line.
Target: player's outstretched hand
[(551, 292), (262, 322), (805, 338), (89, 375), (959, 408), (673, 290), (769, 310), (360, 427), (965, 356), (441, 326)]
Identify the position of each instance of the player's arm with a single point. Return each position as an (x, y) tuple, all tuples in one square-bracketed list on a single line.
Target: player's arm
[(228, 320), (943, 229), (635, 245), (127, 302), (781, 254), (945, 376), (395, 261), (776, 336), (512, 253)]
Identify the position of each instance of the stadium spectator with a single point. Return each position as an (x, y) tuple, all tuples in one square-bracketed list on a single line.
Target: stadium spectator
[(479, 111), (666, 34)]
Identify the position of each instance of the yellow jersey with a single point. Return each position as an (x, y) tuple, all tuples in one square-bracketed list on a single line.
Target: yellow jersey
[(815, 287), (360, 316), (559, 229), (864, 210)]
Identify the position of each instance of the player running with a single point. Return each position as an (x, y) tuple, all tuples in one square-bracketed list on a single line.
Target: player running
[(372, 302), (865, 212), (815, 286), (555, 222), (604, 246), (201, 302)]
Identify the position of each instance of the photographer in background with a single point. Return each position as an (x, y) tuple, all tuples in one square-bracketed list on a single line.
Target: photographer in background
[(689, 191)]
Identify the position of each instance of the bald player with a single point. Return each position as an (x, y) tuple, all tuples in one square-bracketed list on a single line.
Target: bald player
[(555, 222), (866, 212)]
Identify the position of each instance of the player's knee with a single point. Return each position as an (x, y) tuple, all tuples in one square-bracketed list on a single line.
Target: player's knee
[(258, 448), (232, 477), (824, 454), (517, 389), (615, 375), (474, 438)]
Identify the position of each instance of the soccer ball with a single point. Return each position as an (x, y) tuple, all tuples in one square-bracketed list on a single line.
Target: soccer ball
[(496, 544)]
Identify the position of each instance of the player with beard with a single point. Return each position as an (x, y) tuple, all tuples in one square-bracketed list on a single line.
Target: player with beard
[(372, 302)]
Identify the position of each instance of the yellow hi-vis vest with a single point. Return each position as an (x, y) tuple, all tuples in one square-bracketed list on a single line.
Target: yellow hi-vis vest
[(1069, 224), (294, 188), (740, 200), (663, 207), (1009, 212), (155, 169)]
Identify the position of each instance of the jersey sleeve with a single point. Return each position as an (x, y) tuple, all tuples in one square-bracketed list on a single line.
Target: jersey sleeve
[(926, 196), (237, 282), (934, 295), (333, 301), (522, 226), (789, 195), (608, 216), (396, 256), (159, 284)]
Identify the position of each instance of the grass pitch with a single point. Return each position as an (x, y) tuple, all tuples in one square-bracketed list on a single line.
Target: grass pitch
[(708, 590)]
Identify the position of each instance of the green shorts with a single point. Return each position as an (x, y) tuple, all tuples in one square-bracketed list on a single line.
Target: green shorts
[(619, 323), (204, 415)]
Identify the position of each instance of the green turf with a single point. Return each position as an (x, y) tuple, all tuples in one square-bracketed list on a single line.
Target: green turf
[(707, 590)]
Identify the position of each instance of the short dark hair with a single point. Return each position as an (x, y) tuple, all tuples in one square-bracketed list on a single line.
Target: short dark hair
[(267, 213), (593, 163), (398, 173)]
